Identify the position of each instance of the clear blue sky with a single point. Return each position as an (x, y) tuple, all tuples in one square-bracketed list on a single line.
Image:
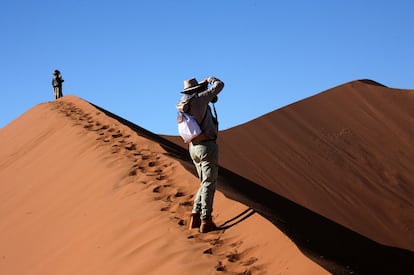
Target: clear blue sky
[(131, 57)]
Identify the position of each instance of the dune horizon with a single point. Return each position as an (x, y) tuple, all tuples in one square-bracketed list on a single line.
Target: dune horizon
[(321, 186)]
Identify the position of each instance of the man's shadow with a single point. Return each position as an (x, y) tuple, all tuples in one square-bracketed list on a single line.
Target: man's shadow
[(237, 219)]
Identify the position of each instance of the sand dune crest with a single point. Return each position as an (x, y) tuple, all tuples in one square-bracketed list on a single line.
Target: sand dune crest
[(80, 193)]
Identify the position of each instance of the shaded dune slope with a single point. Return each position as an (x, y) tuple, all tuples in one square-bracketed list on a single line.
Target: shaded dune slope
[(345, 154), (84, 193)]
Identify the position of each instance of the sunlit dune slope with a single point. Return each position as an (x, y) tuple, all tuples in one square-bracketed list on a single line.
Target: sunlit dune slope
[(82, 193)]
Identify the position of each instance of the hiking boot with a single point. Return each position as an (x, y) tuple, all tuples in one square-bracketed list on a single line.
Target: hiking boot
[(207, 225), (195, 221)]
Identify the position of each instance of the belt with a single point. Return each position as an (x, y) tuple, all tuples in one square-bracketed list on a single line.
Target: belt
[(203, 141), (202, 138)]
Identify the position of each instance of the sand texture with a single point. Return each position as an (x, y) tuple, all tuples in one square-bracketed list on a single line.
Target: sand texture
[(81, 193), (322, 186), (334, 173)]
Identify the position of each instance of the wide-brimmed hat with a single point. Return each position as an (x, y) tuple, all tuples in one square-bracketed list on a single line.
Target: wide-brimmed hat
[(192, 85)]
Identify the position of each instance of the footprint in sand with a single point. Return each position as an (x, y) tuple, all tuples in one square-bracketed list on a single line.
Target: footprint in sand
[(130, 146), (233, 257), (115, 149), (166, 208), (132, 172), (187, 204), (249, 261), (179, 194), (221, 267), (88, 126), (157, 189), (161, 188), (117, 134)]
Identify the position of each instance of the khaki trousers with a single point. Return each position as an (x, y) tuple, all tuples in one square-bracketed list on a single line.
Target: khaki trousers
[(205, 158)]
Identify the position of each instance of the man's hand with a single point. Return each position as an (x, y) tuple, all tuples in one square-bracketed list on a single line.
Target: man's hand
[(204, 81), (211, 79)]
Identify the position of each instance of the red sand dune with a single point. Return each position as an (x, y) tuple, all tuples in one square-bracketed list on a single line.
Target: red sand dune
[(81, 193), (320, 186), (346, 154), (341, 165)]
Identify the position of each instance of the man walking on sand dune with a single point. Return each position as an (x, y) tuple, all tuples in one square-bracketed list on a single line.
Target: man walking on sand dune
[(203, 148)]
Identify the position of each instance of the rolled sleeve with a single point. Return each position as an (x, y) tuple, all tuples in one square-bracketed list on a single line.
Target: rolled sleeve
[(216, 86)]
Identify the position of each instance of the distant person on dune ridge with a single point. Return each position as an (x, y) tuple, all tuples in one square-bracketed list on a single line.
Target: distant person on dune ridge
[(57, 84), (203, 148)]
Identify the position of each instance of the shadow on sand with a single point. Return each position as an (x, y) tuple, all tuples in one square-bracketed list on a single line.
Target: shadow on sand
[(334, 247), (238, 219)]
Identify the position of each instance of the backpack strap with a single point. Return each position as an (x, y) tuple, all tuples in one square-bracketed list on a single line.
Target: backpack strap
[(215, 117)]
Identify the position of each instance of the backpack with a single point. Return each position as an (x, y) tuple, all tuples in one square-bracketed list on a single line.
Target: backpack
[(188, 127)]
